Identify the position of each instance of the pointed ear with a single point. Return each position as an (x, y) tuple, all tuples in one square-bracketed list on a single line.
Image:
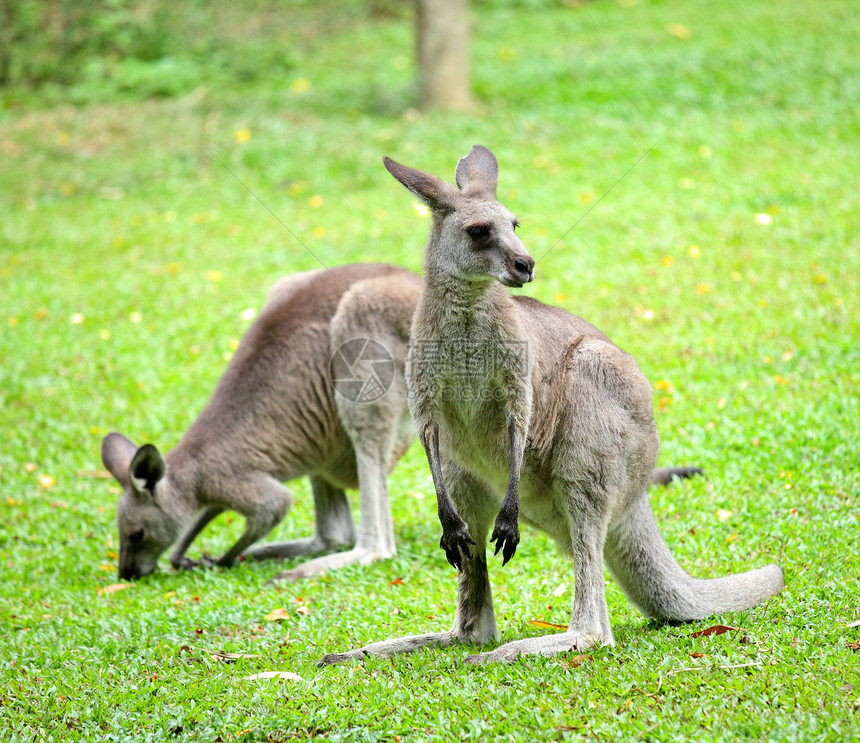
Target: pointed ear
[(478, 173), (147, 468), (117, 453), (441, 197)]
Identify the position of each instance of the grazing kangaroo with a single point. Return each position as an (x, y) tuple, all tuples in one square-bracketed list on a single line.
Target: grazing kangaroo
[(526, 410), (275, 416)]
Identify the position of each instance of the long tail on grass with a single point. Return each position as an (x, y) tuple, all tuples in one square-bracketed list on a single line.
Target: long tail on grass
[(641, 562)]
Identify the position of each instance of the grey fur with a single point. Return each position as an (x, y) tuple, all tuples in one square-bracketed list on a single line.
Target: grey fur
[(558, 428), (275, 416)]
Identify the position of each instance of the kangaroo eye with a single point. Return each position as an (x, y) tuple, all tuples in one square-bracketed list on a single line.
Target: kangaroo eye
[(478, 231), (135, 536)]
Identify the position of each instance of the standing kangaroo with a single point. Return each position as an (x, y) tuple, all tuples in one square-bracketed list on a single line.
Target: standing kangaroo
[(275, 416), (524, 409)]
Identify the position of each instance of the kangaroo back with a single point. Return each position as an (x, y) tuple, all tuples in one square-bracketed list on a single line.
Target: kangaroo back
[(275, 405)]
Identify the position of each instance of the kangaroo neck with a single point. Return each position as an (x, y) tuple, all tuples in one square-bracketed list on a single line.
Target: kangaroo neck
[(461, 304)]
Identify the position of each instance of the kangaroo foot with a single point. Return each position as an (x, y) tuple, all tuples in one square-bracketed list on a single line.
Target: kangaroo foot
[(320, 565), (388, 648), (548, 645)]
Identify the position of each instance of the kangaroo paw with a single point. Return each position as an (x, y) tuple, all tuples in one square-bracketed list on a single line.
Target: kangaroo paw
[(455, 542), (506, 535), (210, 562), (186, 563)]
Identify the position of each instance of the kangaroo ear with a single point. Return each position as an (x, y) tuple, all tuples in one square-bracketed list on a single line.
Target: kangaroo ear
[(117, 453), (478, 173), (147, 468), (440, 196)]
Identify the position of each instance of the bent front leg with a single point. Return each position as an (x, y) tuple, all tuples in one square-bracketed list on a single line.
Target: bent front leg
[(455, 539), (506, 533), (177, 557)]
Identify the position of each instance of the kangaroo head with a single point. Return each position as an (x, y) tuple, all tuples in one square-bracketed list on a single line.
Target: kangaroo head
[(145, 529), (473, 234)]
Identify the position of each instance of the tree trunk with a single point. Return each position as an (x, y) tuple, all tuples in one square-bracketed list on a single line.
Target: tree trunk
[(7, 37), (443, 53)]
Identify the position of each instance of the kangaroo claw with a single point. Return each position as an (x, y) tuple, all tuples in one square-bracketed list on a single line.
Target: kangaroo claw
[(506, 535), (455, 542)]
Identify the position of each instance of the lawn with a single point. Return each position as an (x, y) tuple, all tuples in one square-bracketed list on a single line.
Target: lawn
[(686, 174)]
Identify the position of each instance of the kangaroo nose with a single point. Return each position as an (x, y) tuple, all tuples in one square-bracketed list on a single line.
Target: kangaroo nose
[(525, 267)]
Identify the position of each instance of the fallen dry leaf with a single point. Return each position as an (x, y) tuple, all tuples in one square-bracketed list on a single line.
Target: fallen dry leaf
[(717, 629), (854, 645), (190, 653), (578, 660), (855, 624), (303, 610), (547, 625), (273, 675), (275, 614), (397, 582), (697, 655), (112, 588)]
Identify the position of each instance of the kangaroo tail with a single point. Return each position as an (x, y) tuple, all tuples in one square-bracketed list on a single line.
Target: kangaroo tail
[(641, 562), (665, 475)]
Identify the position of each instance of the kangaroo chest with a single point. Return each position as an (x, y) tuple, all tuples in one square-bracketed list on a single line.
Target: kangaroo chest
[(473, 404)]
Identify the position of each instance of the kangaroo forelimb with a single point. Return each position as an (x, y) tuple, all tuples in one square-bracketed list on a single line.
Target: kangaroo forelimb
[(178, 558), (455, 539), (506, 533)]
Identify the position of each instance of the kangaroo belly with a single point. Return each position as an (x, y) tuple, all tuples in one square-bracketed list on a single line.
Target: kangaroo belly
[(474, 433)]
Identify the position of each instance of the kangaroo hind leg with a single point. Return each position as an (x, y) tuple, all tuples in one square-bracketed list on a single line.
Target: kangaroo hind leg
[(474, 618), (589, 621), (373, 433)]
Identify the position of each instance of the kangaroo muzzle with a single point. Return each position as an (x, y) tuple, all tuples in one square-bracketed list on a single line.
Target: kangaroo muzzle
[(519, 270)]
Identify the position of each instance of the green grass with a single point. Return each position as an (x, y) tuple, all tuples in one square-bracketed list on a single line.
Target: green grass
[(128, 253)]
